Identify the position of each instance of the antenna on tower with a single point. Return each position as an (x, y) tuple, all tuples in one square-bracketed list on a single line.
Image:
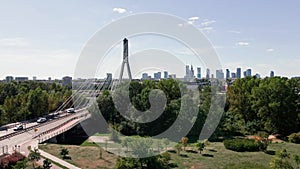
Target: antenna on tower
[(125, 61)]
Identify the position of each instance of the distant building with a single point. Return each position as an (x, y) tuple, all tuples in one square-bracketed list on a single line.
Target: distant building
[(199, 72), (108, 77), (157, 76), (49, 78), (272, 74), (67, 81), (145, 76), (8, 79), (244, 73), (189, 73), (248, 72), (34, 78), (21, 79), (238, 73), (207, 73), (172, 76), (166, 75), (257, 75), (227, 73), (219, 74), (233, 75)]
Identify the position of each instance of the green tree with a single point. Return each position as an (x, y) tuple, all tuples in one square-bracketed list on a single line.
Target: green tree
[(200, 146), (47, 164), (64, 152), (21, 164), (34, 156)]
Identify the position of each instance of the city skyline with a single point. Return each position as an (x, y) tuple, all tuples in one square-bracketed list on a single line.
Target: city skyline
[(42, 43)]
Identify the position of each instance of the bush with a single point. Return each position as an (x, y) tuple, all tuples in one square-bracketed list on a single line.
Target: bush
[(294, 138), (242, 145), (11, 160)]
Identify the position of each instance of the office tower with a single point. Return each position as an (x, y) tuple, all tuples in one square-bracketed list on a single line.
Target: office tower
[(219, 74), (192, 73), (34, 78), (257, 75), (49, 78), (9, 79), (248, 72), (227, 74), (199, 72), (67, 81), (238, 73), (233, 75), (21, 79), (207, 73), (187, 71), (172, 76), (157, 76), (244, 73), (166, 75), (272, 74), (145, 76)]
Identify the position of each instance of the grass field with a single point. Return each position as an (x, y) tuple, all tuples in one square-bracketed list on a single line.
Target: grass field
[(215, 156)]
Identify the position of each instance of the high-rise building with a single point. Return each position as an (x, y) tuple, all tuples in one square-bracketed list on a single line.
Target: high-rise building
[(67, 81), (192, 73), (21, 79), (166, 75), (219, 74), (34, 78), (248, 72), (8, 79), (244, 73), (145, 76), (238, 73), (49, 78), (227, 73), (187, 71), (233, 75), (272, 74), (257, 75), (199, 72), (207, 73), (172, 76), (157, 76)]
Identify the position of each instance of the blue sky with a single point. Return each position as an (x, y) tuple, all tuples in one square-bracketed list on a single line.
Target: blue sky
[(44, 38)]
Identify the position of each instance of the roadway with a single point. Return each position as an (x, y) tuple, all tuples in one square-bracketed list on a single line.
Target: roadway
[(23, 137)]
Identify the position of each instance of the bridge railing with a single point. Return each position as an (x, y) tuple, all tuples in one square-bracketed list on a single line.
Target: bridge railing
[(35, 126)]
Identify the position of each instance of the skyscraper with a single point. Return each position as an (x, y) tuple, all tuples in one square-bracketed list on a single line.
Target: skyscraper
[(227, 73), (233, 75), (187, 70), (248, 72), (238, 73), (166, 74), (199, 72), (272, 74), (219, 74), (145, 76), (207, 73)]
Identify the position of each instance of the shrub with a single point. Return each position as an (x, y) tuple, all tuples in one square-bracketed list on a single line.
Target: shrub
[(242, 145), (11, 160), (294, 138)]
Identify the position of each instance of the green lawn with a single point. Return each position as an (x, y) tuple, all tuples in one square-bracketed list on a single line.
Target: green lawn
[(215, 156)]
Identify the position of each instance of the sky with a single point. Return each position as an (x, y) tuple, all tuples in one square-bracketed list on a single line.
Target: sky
[(45, 38)]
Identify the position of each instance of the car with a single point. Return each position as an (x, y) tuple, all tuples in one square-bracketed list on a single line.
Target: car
[(18, 127), (71, 110), (41, 120)]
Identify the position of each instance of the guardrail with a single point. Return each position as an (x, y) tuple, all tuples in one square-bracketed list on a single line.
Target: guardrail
[(38, 125), (57, 127)]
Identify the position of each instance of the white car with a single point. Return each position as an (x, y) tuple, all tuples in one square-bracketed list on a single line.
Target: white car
[(18, 127), (41, 120), (71, 110)]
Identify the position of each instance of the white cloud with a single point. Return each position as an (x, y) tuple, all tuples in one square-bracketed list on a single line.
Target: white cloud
[(234, 31), (120, 10), (242, 44), (193, 19), (270, 50), (207, 22)]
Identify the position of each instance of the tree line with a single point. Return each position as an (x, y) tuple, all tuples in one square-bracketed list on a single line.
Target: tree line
[(271, 105), (28, 100)]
